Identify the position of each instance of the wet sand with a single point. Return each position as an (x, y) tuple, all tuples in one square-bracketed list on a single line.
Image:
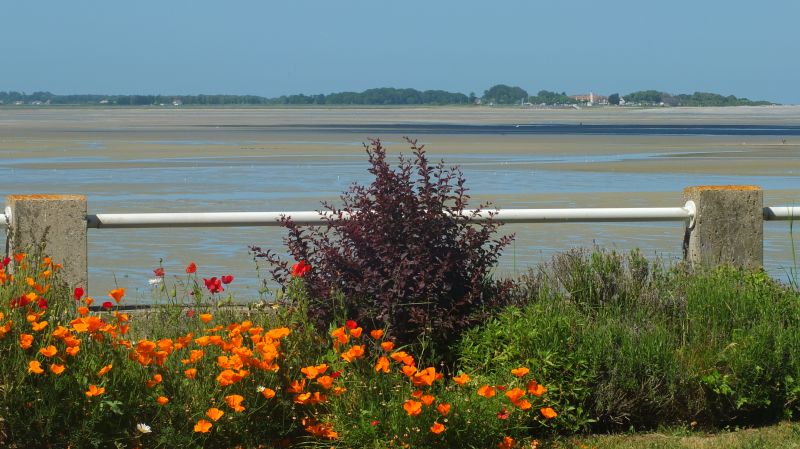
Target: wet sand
[(141, 160)]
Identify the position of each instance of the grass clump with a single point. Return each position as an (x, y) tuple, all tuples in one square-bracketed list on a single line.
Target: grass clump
[(629, 344)]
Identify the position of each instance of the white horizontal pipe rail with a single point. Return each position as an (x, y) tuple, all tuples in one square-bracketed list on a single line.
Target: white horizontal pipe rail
[(577, 215)]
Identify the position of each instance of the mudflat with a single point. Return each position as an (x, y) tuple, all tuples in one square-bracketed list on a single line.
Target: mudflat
[(185, 159)]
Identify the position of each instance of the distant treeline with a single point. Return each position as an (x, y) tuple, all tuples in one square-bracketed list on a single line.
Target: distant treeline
[(498, 94)]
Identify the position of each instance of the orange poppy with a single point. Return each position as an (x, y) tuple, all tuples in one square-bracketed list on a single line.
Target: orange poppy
[(409, 370), (234, 401), (524, 404), (325, 381), (94, 390), (117, 294), (548, 412), (162, 400), (296, 386), (515, 394), (428, 400), (341, 336), (461, 379), (312, 372), (443, 408), (424, 377), (154, 381), (214, 414), (437, 428), (39, 326), (507, 443), (355, 352), (35, 367), (83, 310), (382, 365), (48, 351), (536, 389), (191, 373), (486, 391), (57, 369), (376, 334), (356, 333), (104, 370), (25, 341), (521, 371), (268, 393), (206, 317), (387, 345), (412, 407), (202, 426)]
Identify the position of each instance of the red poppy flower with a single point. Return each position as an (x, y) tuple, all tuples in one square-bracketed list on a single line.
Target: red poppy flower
[(351, 324), (6, 261), (107, 305), (214, 285), (159, 272), (42, 303), (191, 268), (190, 313), (503, 414), (77, 293), (227, 279), (374, 423), (336, 374), (300, 269)]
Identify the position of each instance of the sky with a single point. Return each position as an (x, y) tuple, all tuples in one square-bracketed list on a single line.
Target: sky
[(262, 47)]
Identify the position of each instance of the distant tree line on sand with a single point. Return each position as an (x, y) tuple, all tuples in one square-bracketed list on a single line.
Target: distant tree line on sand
[(499, 94)]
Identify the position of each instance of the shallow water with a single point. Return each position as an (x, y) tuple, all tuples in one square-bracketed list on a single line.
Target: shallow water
[(250, 160)]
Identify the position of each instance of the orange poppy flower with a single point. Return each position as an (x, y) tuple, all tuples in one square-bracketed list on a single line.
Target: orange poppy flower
[(278, 333), (417, 394), (338, 390), (268, 393), (191, 373), (382, 365), (507, 443), (154, 381), (35, 367), (25, 341), (376, 333), (341, 336), (548, 412), (39, 326), (104, 370), (325, 381), (214, 414), (355, 352), (356, 333), (202, 426), (437, 428), (206, 317), (461, 379), (536, 389), (83, 310), (57, 369), (387, 345), (521, 371), (427, 400), (296, 386), (486, 391), (424, 377), (515, 394), (94, 390), (117, 294), (413, 408), (234, 401), (409, 370), (48, 351), (19, 257), (523, 404), (73, 350), (443, 408), (312, 372), (162, 400)]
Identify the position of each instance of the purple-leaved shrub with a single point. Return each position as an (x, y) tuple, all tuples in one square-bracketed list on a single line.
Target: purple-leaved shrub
[(400, 253)]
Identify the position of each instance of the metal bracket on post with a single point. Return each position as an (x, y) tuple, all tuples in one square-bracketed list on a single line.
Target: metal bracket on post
[(691, 208)]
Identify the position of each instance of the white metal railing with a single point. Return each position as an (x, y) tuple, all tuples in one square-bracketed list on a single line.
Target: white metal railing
[(575, 215)]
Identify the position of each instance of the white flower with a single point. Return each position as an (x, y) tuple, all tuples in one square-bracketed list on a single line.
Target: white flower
[(143, 428), (260, 388), (155, 281)]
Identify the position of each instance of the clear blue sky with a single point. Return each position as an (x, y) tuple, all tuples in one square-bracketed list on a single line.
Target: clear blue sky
[(742, 47)]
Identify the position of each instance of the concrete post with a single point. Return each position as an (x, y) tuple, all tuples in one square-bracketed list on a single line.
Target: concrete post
[(728, 228), (58, 221)]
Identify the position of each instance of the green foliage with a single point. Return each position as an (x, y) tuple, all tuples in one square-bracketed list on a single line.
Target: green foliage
[(503, 94), (626, 344), (547, 97), (613, 99)]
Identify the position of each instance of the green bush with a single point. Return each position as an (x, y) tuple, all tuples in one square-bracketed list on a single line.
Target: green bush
[(625, 343)]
